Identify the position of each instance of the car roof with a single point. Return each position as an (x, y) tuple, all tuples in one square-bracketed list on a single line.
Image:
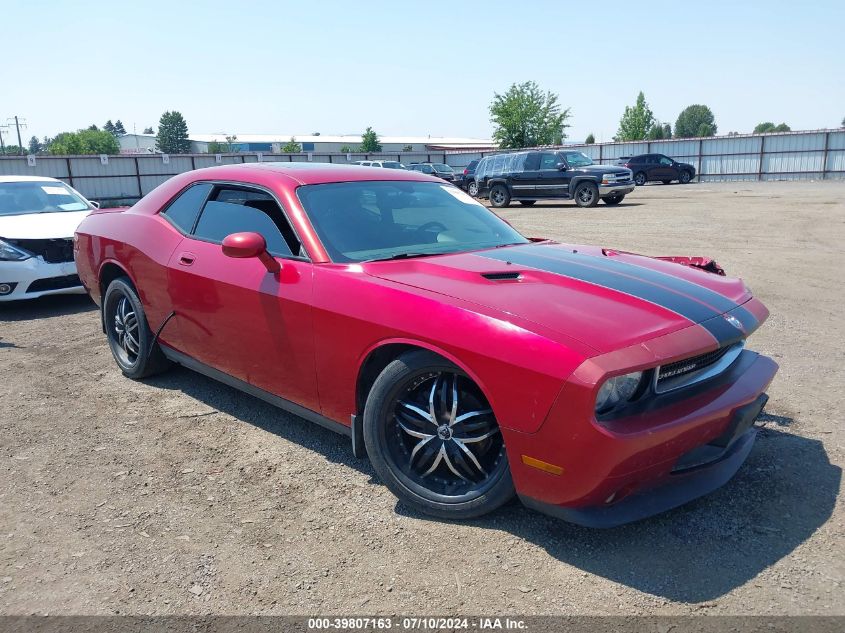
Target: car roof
[(28, 179), (307, 173)]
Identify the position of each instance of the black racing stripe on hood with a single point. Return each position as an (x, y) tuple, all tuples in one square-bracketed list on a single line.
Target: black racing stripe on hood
[(693, 302)]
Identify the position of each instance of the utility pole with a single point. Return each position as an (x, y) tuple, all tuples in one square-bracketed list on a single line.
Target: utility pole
[(3, 128), (18, 124)]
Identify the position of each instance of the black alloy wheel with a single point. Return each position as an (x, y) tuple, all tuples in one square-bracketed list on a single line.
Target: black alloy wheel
[(434, 440)]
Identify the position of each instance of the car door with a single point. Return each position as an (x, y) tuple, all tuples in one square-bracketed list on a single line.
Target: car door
[(666, 168), (551, 181), (525, 175), (234, 315)]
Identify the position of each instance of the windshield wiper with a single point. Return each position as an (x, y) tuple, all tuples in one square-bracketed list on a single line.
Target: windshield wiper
[(398, 256)]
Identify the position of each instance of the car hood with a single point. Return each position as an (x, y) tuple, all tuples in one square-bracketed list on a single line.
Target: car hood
[(604, 301), (41, 226)]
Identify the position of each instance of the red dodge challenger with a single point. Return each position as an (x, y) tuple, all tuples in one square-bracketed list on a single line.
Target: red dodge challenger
[(468, 362)]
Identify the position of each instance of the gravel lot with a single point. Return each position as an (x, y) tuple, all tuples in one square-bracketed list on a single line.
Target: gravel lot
[(179, 495)]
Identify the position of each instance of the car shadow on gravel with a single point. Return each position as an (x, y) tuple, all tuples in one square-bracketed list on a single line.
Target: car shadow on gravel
[(696, 553), (45, 307), (246, 408)]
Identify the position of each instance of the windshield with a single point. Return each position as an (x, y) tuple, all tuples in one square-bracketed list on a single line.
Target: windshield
[(38, 196), (446, 169), (577, 159), (361, 221), (392, 165)]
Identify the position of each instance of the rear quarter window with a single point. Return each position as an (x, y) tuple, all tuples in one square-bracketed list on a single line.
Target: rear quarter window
[(182, 212)]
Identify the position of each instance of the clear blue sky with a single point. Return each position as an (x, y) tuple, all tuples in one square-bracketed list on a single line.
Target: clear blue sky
[(415, 68)]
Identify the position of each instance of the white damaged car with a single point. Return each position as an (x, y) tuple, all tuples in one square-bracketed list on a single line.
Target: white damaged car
[(38, 217)]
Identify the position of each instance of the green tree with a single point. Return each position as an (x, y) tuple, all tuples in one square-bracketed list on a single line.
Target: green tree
[(149, 130), (369, 141), (216, 148), (525, 116), (84, 142), (173, 134), (345, 149), (93, 127), (109, 127), (231, 147), (768, 126), (408, 148), (118, 128), (656, 133), (590, 139), (13, 150), (34, 145), (667, 130), (292, 147), (695, 120), (637, 121)]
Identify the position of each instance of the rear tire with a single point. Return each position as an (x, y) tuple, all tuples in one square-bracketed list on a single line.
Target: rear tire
[(527, 203), (500, 197), (129, 333), (418, 443), (586, 195), (686, 176), (639, 179), (612, 201), (472, 189)]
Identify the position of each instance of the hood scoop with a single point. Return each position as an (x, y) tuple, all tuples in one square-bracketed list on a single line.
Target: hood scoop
[(507, 275)]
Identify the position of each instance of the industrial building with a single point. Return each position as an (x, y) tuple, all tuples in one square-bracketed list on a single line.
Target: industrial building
[(318, 144)]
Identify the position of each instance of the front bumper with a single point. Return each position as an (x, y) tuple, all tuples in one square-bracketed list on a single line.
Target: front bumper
[(34, 278), (685, 483), (616, 189), (634, 467)]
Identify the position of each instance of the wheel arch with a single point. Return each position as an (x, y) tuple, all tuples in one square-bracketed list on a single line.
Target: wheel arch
[(109, 271), (577, 180), (380, 355)]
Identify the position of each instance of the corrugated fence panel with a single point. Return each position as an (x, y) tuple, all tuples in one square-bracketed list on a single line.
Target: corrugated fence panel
[(794, 142), (836, 140), (112, 187), (116, 166), (836, 161), (51, 167), (792, 162), (148, 183)]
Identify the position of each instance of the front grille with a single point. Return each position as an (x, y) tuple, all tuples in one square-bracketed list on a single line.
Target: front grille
[(53, 251), (691, 370), (54, 283)]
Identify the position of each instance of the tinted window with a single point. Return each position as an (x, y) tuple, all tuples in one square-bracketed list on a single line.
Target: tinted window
[(518, 162), (665, 161), (548, 160), (183, 211), (427, 169), (532, 161), (232, 210)]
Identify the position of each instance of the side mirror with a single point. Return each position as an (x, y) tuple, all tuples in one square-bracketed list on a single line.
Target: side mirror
[(94, 204), (244, 245), (562, 167)]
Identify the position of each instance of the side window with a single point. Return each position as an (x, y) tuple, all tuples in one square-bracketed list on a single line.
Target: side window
[(427, 169), (549, 160), (235, 210), (519, 163), (665, 161), (532, 161), (183, 211)]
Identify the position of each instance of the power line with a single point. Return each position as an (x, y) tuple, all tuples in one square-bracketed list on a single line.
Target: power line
[(19, 122)]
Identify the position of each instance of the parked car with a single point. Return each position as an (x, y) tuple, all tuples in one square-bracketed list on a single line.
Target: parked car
[(550, 174), (38, 216), (387, 164), (469, 362), (466, 179), (440, 170), (657, 167)]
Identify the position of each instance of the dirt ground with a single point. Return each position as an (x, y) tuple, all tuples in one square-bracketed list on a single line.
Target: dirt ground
[(178, 495)]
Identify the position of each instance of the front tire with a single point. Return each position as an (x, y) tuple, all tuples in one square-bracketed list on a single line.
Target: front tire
[(128, 332), (434, 440), (686, 176), (500, 197), (639, 179), (586, 195)]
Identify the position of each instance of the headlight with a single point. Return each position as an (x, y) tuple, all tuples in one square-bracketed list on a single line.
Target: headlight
[(606, 178), (9, 253), (616, 390)]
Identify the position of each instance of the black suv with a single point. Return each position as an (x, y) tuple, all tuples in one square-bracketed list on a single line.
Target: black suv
[(466, 179), (649, 167), (441, 170), (540, 175)]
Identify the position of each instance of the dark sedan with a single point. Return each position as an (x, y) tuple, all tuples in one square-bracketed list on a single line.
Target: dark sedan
[(658, 167)]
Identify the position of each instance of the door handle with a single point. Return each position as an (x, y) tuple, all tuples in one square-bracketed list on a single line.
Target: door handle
[(186, 259)]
